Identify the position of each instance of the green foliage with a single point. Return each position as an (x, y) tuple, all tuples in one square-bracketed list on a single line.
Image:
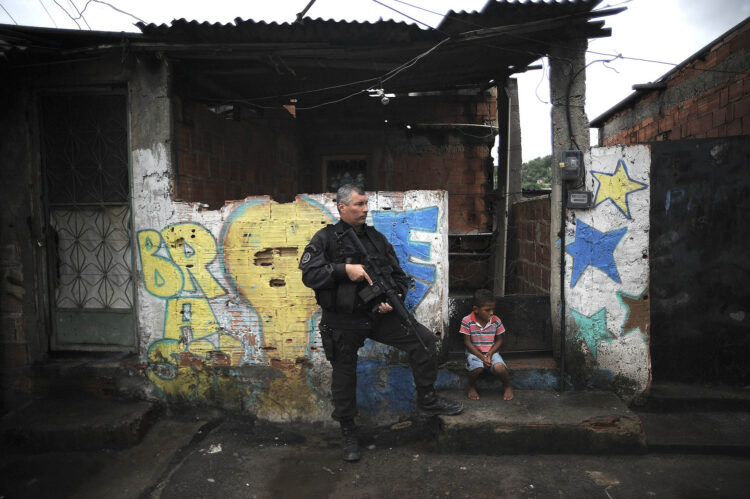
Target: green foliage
[(535, 170)]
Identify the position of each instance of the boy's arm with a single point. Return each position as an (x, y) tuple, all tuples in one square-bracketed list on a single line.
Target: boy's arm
[(496, 346), (472, 348)]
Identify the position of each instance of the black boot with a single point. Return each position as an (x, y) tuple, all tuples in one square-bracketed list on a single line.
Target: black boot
[(349, 442), (432, 404)]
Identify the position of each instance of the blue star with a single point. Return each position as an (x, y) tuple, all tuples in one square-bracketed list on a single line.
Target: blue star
[(596, 248), (593, 329)]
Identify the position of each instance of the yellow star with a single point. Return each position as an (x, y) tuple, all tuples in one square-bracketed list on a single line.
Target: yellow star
[(616, 187)]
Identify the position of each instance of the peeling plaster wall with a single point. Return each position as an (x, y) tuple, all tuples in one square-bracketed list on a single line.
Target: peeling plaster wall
[(224, 317), (607, 274)]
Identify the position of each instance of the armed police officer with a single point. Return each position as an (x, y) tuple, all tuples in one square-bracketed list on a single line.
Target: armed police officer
[(332, 265)]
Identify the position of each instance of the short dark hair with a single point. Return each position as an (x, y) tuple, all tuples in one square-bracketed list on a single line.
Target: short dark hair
[(482, 296), (344, 194)]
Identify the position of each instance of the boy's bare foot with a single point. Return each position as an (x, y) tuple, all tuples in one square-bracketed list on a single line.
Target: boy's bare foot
[(473, 394), (508, 393)]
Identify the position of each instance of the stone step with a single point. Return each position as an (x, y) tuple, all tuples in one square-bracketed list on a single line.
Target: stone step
[(538, 421), (77, 423)]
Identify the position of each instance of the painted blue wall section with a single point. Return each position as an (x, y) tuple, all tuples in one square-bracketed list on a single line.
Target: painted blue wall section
[(397, 227), (384, 388)]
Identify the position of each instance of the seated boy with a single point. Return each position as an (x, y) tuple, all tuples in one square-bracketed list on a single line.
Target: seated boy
[(483, 335)]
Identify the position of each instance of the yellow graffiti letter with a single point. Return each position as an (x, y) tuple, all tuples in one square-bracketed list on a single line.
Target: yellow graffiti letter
[(192, 248), (161, 277)]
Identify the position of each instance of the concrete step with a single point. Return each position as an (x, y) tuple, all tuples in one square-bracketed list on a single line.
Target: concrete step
[(77, 423), (693, 397), (697, 419), (103, 375), (527, 372), (691, 432), (538, 421)]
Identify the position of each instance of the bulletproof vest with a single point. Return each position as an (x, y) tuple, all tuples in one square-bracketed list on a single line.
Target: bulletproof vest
[(340, 250)]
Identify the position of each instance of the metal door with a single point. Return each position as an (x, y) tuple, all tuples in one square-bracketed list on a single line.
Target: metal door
[(84, 144)]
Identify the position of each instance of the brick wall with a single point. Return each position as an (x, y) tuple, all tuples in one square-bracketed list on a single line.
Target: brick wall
[(222, 158), (429, 155), (529, 248), (696, 103)]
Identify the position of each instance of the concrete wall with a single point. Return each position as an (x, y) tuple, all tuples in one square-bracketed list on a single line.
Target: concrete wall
[(700, 272), (225, 319), (607, 274)]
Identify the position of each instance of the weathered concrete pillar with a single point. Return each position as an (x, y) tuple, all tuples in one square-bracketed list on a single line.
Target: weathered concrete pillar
[(570, 130), (509, 172), (150, 110), (515, 159)]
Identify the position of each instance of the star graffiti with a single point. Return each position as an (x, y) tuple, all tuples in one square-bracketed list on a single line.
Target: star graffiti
[(616, 187), (637, 312), (592, 329), (595, 248)]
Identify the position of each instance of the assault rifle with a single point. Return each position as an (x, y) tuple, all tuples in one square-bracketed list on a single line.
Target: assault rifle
[(383, 284)]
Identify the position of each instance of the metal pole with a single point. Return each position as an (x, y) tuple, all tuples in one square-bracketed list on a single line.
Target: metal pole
[(563, 218)]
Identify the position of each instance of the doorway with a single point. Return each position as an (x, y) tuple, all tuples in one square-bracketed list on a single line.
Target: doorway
[(85, 168)]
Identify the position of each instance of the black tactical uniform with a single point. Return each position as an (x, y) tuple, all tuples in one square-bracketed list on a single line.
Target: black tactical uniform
[(347, 321)]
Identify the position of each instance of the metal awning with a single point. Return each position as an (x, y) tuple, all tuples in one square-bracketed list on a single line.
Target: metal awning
[(315, 61)]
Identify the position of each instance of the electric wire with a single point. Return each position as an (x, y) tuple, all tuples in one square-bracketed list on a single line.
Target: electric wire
[(48, 14), (6, 11), (113, 8), (80, 14), (67, 13), (420, 8), (405, 15)]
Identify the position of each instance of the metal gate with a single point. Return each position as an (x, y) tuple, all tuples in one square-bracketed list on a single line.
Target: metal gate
[(84, 139)]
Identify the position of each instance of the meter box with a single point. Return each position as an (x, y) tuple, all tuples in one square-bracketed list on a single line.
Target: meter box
[(579, 200), (572, 165)]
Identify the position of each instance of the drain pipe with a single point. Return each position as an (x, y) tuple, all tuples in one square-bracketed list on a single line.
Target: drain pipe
[(563, 218)]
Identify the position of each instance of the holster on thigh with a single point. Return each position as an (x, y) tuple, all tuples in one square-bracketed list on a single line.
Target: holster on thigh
[(328, 341)]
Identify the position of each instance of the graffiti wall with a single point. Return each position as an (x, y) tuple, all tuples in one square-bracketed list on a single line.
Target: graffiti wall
[(225, 319), (607, 271)]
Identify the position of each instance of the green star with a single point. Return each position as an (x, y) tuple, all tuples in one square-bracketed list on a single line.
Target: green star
[(593, 329)]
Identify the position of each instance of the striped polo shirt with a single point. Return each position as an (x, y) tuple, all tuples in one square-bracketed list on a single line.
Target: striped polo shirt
[(482, 337)]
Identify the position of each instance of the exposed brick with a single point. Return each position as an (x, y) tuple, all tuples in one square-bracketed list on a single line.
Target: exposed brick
[(183, 137), (719, 117), (735, 90), (735, 127), (741, 109), (186, 164)]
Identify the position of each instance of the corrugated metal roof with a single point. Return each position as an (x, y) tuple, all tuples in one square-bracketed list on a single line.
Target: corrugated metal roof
[(309, 30), (503, 12), (256, 61)]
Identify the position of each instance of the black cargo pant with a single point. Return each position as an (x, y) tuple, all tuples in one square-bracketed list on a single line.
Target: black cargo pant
[(343, 336)]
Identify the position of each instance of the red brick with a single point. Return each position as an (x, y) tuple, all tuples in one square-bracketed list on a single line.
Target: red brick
[(735, 127), (741, 109), (735, 90), (185, 163), (202, 165), (719, 117), (183, 137)]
